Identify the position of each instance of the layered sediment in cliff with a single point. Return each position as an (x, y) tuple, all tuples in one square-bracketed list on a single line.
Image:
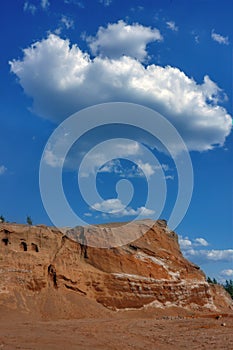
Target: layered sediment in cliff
[(39, 264)]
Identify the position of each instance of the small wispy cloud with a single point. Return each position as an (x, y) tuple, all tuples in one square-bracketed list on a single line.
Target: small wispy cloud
[(45, 4), (197, 39), (140, 170), (32, 8), (227, 272), (195, 36), (106, 3), (75, 2), (201, 242), (169, 177), (65, 23), (219, 38), (51, 158), (137, 8), (171, 25), (185, 243), (28, 7), (3, 169)]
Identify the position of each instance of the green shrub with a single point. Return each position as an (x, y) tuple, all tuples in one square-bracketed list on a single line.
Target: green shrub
[(29, 220)]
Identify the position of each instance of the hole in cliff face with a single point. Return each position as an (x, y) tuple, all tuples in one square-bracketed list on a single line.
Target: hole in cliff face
[(6, 231), (133, 247), (23, 246), (84, 251), (5, 241), (35, 247), (53, 275)]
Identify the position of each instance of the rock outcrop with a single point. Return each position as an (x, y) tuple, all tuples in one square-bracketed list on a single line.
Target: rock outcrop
[(38, 261)]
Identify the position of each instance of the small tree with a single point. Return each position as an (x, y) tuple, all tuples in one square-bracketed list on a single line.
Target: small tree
[(229, 287), (2, 219), (215, 281), (209, 280), (29, 220)]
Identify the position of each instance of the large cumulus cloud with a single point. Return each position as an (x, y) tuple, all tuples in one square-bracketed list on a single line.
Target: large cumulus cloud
[(62, 79)]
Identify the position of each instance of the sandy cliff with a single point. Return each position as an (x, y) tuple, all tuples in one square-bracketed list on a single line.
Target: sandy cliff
[(44, 270)]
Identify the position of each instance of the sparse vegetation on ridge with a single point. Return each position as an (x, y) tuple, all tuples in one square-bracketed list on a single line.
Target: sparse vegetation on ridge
[(29, 220), (228, 285)]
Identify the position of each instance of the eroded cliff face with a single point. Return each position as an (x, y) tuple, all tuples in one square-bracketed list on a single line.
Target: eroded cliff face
[(40, 261)]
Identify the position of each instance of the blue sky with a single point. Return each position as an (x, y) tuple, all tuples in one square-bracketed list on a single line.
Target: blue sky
[(175, 57)]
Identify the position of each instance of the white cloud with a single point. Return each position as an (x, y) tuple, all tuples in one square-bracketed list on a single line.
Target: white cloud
[(110, 205), (219, 38), (165, 167), (115, 207), (139, 169), (106, 159), (51, 159), (56, 159), (147, 168), (206, 256), (68, 22), (228, 273), (98, 160), (137, 8), (28, 7), (65, 22), (201, 241), (3, 169), (113, 166), (203, 256), (106, 3), (129, 148), (185, 243), (75, 2), (195, 36), (171, 25), (169, 177), (123, 39), (45, 4), (62, 79), (117, 168)]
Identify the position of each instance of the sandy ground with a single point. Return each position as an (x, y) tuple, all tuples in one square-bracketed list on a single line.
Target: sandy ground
[(124, 330)]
